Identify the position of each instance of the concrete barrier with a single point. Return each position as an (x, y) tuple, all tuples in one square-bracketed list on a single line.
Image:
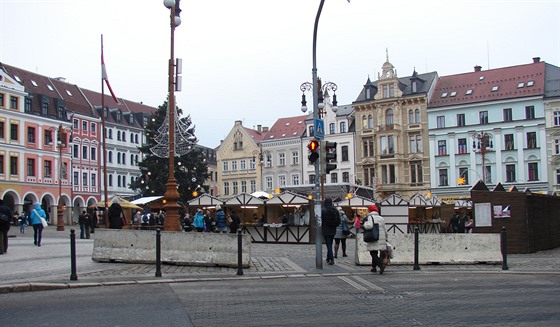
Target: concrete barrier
[(438, 248), (193, 249)]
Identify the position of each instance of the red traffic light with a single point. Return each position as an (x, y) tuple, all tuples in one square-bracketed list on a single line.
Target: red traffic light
[(313, 145)]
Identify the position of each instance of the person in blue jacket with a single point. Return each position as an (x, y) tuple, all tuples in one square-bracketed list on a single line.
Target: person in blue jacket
[(36, 213), (221, 224), (198, 222)]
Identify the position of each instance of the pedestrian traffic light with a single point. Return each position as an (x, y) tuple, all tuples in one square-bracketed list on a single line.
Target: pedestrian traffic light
[(328, 160), (313, 147)]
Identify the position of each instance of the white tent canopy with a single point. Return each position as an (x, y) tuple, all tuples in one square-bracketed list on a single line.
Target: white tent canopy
[(356, 201), (205, 200), (244, 199), (288, 197), (146, 200)]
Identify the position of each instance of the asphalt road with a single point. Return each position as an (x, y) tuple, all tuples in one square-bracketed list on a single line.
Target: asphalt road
[(367, 299)]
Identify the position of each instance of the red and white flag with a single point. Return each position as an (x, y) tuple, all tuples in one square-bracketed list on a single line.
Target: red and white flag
[(104, 74)]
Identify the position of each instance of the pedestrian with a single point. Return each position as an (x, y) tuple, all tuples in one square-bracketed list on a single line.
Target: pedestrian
[(331, 219), (198, 222), (37, 224), (209, 222), (339, 236), (82, 223), (235, 222), (87, 224), (461, 229), (454, 223), (137, 218), (22, 223), (187, 223), (5, 220), (357, 224), (377, 249), (93, 223), (469, 225), (115, 216), (161, 218), (221, 224)]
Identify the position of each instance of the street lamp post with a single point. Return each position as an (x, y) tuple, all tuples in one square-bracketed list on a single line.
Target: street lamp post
[(481, 142), (61, 144), (171, 195)]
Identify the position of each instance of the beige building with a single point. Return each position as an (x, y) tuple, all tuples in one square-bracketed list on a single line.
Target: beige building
[(392, 153)]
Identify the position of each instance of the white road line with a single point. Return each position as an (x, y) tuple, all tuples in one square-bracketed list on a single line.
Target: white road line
[(353, 283), (369, 284)]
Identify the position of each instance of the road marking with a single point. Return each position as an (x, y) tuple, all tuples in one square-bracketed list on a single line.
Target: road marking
[(353, 283), (369, 284)]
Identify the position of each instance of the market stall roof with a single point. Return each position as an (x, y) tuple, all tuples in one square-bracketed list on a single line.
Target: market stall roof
[(356, 201), (205, 200), (146, 200), (417, 200), (433, 201), (124, 203), (463, 203), (394, 200), (288, 197), (244, 199), (261, 194)]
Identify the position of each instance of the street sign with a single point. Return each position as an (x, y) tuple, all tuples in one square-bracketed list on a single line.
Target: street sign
[(319, 129)]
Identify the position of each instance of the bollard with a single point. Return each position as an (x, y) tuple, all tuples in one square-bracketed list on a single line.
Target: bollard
[(239, 253), (503, 243), (158, 252), (73, 275), (416, 266)]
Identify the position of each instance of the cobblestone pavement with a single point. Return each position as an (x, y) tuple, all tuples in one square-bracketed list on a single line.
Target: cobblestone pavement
[(27, 265)]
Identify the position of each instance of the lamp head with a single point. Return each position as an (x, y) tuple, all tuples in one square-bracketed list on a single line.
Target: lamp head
[(168, 3)]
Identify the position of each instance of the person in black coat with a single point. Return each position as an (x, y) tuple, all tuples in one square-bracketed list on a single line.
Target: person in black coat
[(235, 222), (115, 216), (5, 225)]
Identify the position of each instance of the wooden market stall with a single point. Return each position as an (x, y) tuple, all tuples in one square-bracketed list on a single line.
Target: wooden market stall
[(424, 213), (247, 207), (394, 210)]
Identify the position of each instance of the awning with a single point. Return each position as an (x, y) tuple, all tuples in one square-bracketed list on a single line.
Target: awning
[(356, 201), (261, 194), (288, 197), (124, 203), (244, 199), (205, 200), (145, 200)]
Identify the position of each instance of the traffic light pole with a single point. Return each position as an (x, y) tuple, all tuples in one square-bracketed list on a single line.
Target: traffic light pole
[(317, 196)]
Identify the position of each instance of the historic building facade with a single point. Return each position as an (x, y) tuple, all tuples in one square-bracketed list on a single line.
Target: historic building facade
[(392, 154)]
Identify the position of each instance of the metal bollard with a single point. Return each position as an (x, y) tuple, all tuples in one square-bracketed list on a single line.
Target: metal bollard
[(73, 275), (503, 244), (158, 252), (416, 266), (239, 253)]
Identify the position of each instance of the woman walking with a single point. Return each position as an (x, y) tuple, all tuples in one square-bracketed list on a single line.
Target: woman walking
[(36, 214)]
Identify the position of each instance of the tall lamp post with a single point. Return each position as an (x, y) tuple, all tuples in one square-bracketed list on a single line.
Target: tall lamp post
[(171, 195), (481, 142), (61, 144), (316, 89)]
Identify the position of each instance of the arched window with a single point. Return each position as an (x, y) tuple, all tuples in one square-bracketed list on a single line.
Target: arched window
[(411, 116), (370, 121), (343, 127), (364, 122), (417, 115), (389, 117)]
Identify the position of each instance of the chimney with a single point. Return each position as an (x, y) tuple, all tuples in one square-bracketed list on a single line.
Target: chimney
[(536, 59), (259, 128), (477, 68)]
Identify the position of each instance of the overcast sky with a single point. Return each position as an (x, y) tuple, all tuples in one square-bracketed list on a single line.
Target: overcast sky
[(245, 59)]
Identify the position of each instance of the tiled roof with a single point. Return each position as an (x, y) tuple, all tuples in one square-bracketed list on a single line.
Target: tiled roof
[(288, 127), (405, 84), (489, 85), (256, 135), (73, 98)]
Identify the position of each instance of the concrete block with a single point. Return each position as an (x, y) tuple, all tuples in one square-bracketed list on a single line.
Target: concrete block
[(195, 249), (438, 248)]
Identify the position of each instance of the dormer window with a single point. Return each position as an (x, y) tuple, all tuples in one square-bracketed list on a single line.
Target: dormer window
[(469, 92), (530, 83), (17, 78), (495, 88), (34, 83), (453, 94), (119, 116), (444, 95), (106, 112), (414, 87), (69, 93), (131, 119), (50, 87)]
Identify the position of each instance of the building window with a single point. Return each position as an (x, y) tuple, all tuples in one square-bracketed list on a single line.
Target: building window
[(268, 182), (31, 134), (331, 128), (235, 187), (93, 128), (346, 177), (94, 154), (253, 186), (508, 116), (295, 179), (483, 117), (443, 181), (557, 146), (415, 143), (1, 129), (93, 179), (84, 179), (28, 105), (243, 186), (226, 188), (462, 145), (84, 126), (295, 158), (556, 118), (14, 132), (30, 167), (334, 178), (77, 176), (84, 152), (488, 174), (243, 165), (344, 152), (110, 180), (252, 163), (311, 131), (47, 167), (389, 118), (343, 127), (460, 119), (268, 160), (75, 151), (225, 166), (281, 181), (440, 122), (13, 102), (532, 140), (557, 176), (530, 112), (388, 174), (510, 173), (442, 148), (234, 166), (368, 148), (281, 159), (416, 172), (464, 174), (387, 144), (47, 136), (1, 164), (370, 121), (533, 171), (509, 143)]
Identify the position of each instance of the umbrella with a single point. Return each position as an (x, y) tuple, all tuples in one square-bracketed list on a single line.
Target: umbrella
[(124, 203)]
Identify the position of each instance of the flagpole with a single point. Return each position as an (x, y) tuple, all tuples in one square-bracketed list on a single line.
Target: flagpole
[(103, 135)]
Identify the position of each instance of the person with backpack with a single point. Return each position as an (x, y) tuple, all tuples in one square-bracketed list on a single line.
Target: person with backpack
[(331, 219), (377, 247), (341, 233)]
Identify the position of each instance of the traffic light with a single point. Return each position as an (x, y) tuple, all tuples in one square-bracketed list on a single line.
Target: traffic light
[(313, 147), (328, 160)]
